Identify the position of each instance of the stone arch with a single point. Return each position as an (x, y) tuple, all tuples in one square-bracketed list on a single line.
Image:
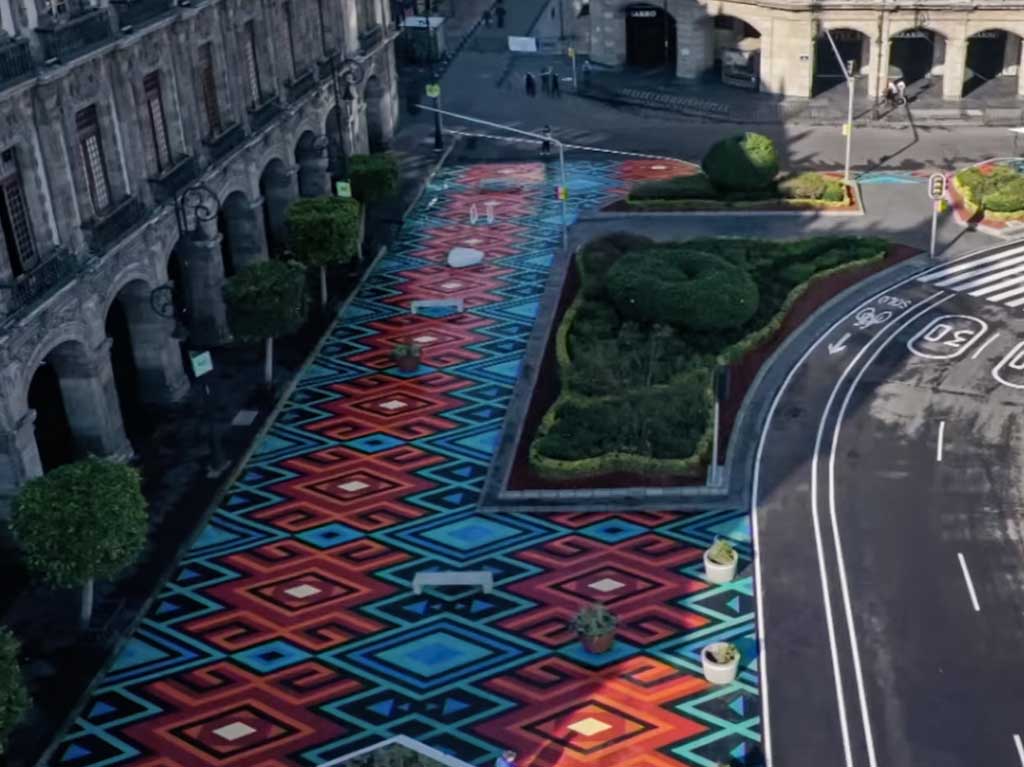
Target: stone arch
[(278, 188), (378, 118), (240, 222), (334, 129), (854, 48), (992, 63), (916, 52), (736, 42), (650, 34), (311, 159)]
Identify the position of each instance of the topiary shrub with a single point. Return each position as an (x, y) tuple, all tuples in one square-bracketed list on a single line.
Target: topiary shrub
[(744, 163), (598, 256), (1008, 197), (687, 289), (14, 698), (374, 177), (695, 187), (324, 231)]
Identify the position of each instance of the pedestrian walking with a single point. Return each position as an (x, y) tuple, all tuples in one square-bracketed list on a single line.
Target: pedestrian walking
[(487, 18), (500, 13), (545, 81), (586, 73), (531, 85), (890, 93), (901, 93), (545, 144), (556, 89)]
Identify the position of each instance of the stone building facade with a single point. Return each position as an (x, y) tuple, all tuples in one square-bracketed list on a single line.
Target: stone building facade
[(954, 45), (109, 112)]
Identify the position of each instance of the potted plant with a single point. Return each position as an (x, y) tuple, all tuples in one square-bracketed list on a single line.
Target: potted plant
[(720, 562), (721, 661), (595, 627), (407, 356)]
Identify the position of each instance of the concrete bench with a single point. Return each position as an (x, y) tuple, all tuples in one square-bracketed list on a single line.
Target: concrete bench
[(482, 578)]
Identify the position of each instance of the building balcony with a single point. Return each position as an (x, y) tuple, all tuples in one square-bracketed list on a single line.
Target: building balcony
[(78, 35), (16, 63), (168, 185), (104, 232), (226, 142), (302, 84), (136, 14), (18, 298), (370, 37), (262, 114)]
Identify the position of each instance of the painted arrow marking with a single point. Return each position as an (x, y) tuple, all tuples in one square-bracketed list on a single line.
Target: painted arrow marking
[(838, 346)]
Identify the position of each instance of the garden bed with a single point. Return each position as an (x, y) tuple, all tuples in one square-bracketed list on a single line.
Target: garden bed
[(990, 195), (744, 357)]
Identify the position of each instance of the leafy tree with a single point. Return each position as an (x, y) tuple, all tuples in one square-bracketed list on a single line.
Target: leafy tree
[(324, 231), (265, 300), (744, 163), (13, 695), (374, 177), (82, 521)]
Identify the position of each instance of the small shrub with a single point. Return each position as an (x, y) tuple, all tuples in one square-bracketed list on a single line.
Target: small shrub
[(835, 191), (374, 177), (1008, 198), (598, 256), (998, 188), (695, 187), (805, 186), (724, 652), (593, 620), (14, 699), (746, 162), (721, 552)]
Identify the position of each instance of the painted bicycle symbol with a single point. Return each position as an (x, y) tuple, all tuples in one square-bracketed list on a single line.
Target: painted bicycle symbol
[(867, 317)]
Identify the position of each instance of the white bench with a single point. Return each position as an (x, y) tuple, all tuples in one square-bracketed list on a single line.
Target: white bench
[(482, 578)]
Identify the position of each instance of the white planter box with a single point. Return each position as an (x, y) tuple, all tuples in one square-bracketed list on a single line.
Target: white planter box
[(719, 673), (717, 573)]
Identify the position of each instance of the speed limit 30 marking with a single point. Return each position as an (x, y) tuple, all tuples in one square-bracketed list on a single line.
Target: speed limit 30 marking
[(1011, 367), (947, 337)]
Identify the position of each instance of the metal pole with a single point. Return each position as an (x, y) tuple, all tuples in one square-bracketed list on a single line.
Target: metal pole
[(714, 445), (575, 83), (438, 127), (849, 107), (935, 224), (564, 196)]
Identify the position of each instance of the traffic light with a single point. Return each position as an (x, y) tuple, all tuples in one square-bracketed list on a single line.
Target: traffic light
[(937, 186)]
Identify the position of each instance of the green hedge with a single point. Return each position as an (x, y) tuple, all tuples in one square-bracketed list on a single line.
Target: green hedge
[(741, 163), (1000, 190), (695, 187), (14, 698), (374, 177), (697, 193)]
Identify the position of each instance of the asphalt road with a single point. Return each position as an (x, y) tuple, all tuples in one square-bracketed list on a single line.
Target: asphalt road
[(890, 527)]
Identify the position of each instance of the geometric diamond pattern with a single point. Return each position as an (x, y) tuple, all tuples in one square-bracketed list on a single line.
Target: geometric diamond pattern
[(289, 634)]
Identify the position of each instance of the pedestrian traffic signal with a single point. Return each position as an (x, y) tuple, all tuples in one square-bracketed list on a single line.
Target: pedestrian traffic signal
[(937, 186)]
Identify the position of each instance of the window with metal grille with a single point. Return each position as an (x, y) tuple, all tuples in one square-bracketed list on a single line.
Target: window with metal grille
[(252, 64), (366, 15), (324, 45), (57, 8), (90, 147), (291, 36), (157, 121), (208, 84), (14, 218)]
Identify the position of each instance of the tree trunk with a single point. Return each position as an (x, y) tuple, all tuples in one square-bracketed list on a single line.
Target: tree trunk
[(268, 361), (323, 287), (87, 598)]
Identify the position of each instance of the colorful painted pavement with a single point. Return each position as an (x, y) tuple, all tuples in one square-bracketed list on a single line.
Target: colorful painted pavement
[(289, 635)]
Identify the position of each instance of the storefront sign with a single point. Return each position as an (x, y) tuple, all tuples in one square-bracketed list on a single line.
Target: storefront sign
[(912, 34), (642, 13)]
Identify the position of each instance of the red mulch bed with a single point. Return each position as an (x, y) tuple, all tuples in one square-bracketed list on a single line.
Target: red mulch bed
[(741, 376)]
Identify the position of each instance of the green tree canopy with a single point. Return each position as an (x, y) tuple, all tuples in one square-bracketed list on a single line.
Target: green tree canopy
[(13, 695), (81, 521), (266, 299), (324, 230), (374, 177), (743, 163)]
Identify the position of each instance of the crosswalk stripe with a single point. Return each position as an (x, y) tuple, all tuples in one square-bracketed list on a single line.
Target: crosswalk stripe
[(998, 286), (970, 264), (1007, 294), (991, 283), (1015, 303), (955, 283)]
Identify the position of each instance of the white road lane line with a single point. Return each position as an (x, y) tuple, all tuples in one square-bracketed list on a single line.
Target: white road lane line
[(1020, 747), (912, 316), (994, 271), (981, 348), (970, 587), (938, 449), (958, 268)]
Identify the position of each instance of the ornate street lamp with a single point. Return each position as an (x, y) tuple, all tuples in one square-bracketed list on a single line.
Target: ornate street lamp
[(351, 73)]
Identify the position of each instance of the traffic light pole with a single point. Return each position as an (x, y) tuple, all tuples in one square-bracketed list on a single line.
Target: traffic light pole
[(936, 193), (935, 227)]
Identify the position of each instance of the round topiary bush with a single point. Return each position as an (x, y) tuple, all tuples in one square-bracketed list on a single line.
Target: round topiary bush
[(689, 290), (744, 163)]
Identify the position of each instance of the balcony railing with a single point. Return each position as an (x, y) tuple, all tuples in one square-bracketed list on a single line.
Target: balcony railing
[(28, 290), (106, 231), (300, 86), (76, 36), (262, 114), (176, 178), (229, 140), (16, 62), (370, 37), (139, 13)]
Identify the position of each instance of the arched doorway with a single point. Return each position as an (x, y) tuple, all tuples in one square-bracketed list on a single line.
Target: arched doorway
[(334, 128), (993, 61), (854, 51), (276, 188), (913, 54), (54, 438), (243, 241), (311, 158), (377, 133), (650, 38), (138, 423), (737, 52)]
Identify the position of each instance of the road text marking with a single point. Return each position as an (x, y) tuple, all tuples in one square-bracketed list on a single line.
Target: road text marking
[(981, 348), (947, 337), (970, 589), (938, 449), (1012, 361)]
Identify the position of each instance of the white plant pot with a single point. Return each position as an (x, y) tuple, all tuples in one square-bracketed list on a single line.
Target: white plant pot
[(717, 573), (719, 673)]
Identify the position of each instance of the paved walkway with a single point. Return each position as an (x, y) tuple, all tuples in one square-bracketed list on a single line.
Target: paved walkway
[(288, 633)]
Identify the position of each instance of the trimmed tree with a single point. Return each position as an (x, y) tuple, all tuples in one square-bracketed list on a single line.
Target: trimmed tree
[(324, 231), (744, 163), (374, 177), (265, 300), (14, 698), (82, 521)]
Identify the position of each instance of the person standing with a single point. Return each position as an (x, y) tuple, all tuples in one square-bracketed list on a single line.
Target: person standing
[(545, 81), (545, 144), (500, 13), (487, 18), (531, 85), (586, 73), (901, 93), (556, 88)]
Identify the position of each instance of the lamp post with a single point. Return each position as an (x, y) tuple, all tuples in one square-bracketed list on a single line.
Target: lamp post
[(848, 129), (434, 88), (352, 74)]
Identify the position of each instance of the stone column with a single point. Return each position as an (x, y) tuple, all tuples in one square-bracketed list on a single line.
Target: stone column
[(878, 75), (19, 457), (314, 174), (279, 193), (1011, 56), (1020, 69), (953, 69), (246, 234), (694, 44), (90, 400), (157, 356), (204, 279)]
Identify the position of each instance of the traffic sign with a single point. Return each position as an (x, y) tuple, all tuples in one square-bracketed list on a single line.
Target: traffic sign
[(202, 363), (342, 188), (572, 53), (562, 193), (847, 129), (937, 186), (433, 90)]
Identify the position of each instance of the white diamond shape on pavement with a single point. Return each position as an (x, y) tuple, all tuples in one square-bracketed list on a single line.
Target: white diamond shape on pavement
[(302, 592), (234, 731), (392, 405), (589, 726), (424, 339), (353, 486), (606, 585), (451, 285)]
